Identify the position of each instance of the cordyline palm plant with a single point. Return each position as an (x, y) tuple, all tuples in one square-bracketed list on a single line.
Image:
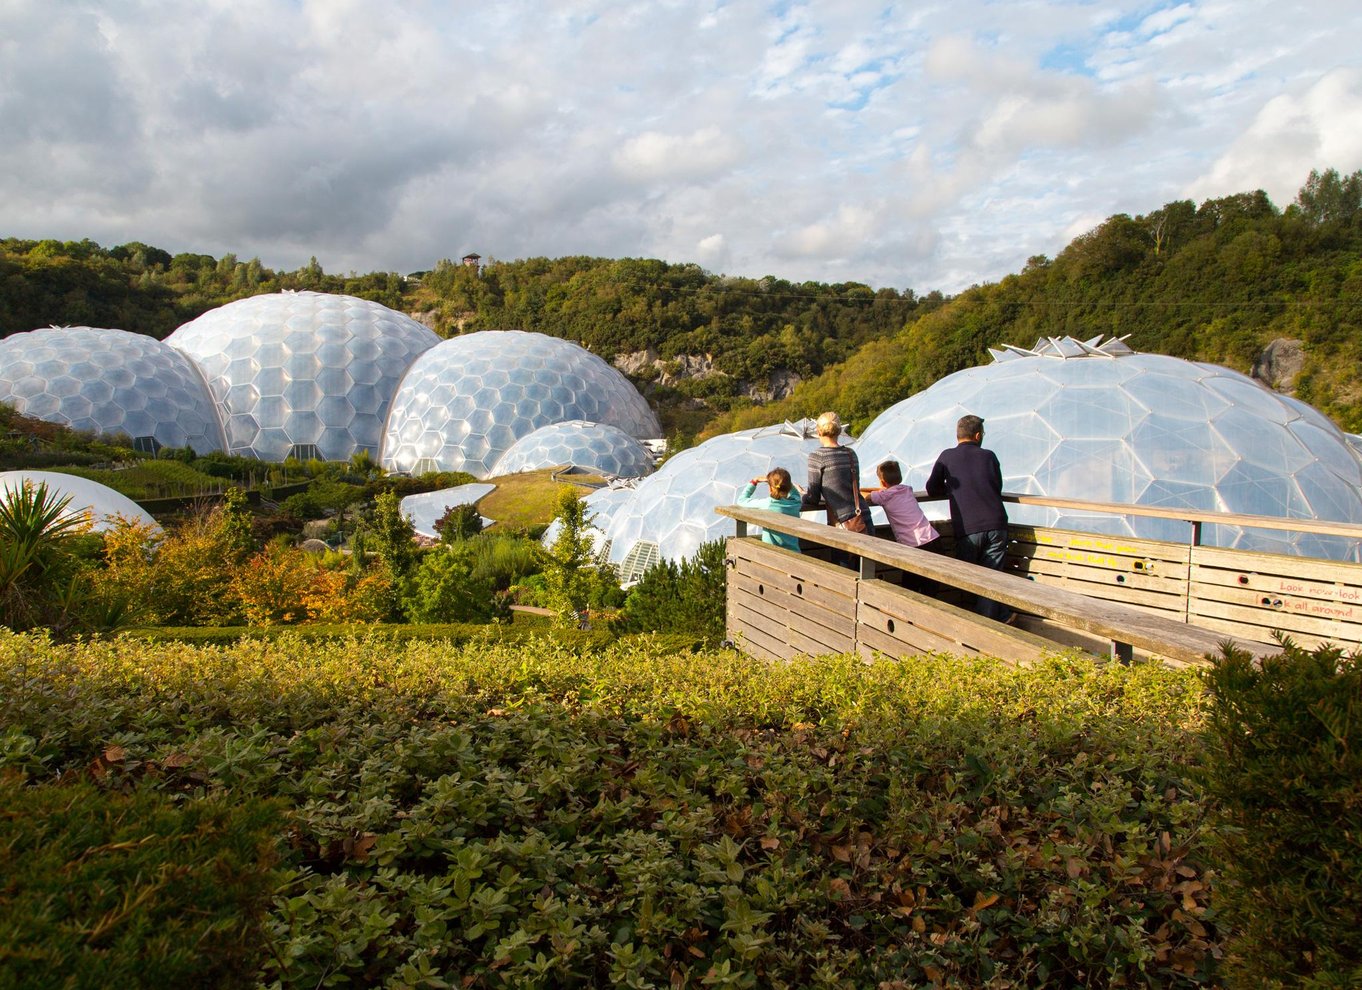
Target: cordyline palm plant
[(35, 572)]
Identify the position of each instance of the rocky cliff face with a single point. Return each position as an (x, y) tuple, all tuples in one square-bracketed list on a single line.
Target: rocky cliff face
[(648, 365), (1279, 364)]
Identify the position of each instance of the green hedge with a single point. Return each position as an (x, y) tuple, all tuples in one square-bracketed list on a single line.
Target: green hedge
[(531, 814), (105, 889), (1285, 770)]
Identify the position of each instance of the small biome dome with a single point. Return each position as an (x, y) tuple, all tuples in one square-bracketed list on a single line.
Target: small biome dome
[(1097, 421), (303, 374), (465, 402), (672, 511), (100, 504), (110, 382), (577, 443), (601, 505)]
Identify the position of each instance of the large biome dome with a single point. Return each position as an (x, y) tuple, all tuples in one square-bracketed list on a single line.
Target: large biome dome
[(466, 401), (1098, 421), (303, 374), (109, 382)]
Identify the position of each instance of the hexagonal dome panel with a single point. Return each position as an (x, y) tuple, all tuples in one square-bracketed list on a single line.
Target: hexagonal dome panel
[(1097, 421), (282, 368), (495, 387), (674, 508), (99, 503), (110, 381), (596, 446)]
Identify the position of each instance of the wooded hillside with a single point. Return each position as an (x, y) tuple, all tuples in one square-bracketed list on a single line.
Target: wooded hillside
[(1216, 282)]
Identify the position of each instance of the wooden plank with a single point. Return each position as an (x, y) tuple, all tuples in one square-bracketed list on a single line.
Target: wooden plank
[(1099, 550), (1165, 584), (1286, 606), (1231, 627), (759, 644), (1158, 601), (1304, 569), (969, 632), (752, 616), (1264, 620), (910, 641), (838, 617)]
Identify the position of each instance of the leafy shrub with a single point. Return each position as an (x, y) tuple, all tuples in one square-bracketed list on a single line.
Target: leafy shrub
[(459, 522), (525, 814), (38, 562), (672, 597), (104, 889), (443, 588), (504, 559), (1285, 770)]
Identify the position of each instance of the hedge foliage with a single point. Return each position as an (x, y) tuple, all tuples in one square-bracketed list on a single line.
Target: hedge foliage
[(530, 814), (1286, 776)]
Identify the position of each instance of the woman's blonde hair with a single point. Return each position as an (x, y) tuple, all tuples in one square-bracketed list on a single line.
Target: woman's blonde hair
[(829, 425)]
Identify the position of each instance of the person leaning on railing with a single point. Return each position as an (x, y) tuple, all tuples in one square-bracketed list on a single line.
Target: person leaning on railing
[(834, 484), (972, 479)]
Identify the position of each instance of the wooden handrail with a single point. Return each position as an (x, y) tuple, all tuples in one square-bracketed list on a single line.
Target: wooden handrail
[(1119, 624), (1322, 526)]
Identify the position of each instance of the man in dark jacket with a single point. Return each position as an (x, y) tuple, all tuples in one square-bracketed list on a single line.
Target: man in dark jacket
[(972, 479)]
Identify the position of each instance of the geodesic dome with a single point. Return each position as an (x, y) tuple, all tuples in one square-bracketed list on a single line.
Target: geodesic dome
[(672, 511), (303, 374), (601, 505), (465, 402), (100, 503), (1098, 421), (110, 381), (597, 446)]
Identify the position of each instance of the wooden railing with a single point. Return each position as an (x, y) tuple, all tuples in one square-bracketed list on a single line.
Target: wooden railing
[(1177, 601)]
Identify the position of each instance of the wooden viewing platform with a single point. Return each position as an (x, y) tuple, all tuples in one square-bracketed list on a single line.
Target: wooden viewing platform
[(1121, 595)]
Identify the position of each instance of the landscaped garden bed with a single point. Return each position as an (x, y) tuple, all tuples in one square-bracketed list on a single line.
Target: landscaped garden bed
[(534, 814)]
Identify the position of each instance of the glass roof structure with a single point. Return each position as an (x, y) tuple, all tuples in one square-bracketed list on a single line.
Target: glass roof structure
[(596, 446), (100, 503), (674, 508), (1095, 420), (108, 382), (425, 509), (303, 374), (464, 403)]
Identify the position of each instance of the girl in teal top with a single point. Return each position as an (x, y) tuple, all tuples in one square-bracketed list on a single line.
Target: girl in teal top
[(783, 499)]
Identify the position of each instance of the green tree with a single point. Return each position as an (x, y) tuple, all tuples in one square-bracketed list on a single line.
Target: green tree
[(443, 588), (685, 597), (568, 563), (459, 523), (390, 535)]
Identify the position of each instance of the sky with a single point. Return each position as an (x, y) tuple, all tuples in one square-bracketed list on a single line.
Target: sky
[(917, 145)]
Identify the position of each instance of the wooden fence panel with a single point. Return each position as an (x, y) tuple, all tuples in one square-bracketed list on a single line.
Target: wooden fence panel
[(1312, 601), (782, 604), (1143, 574), (899, 622)]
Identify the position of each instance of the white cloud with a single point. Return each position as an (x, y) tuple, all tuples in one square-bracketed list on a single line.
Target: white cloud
[(1290, 135), (654, 157), (924, 148)]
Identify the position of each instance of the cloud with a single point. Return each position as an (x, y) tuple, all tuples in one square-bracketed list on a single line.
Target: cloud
[(657, 157), (1288, 137), (930, 147)]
